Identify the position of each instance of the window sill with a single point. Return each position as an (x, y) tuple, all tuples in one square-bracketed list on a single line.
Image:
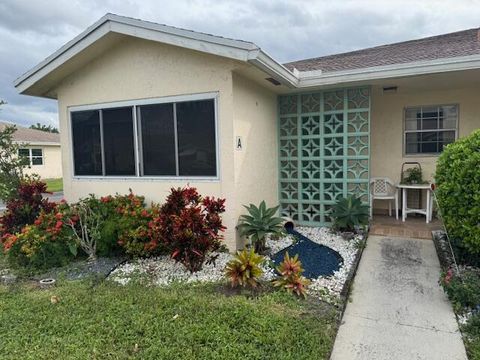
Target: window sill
[(420, 155), (146, 178)]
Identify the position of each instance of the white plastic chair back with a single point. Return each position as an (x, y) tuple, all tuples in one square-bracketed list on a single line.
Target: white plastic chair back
[(380, 187)]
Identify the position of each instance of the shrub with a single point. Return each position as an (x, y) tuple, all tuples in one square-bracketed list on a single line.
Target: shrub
[(245, 269), (457, 179), (24, 208), (462, 288), (349, 212), (46, 243), (189, 226), (123, 225), (291, 279), (11, 165), (259, 222), (86, 221)]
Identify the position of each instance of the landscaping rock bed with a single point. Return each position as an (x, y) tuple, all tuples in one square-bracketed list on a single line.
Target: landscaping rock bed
[(444, 252), (163, 270)]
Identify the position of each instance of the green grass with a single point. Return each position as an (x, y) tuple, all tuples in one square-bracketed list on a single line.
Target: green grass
[(114, 322), (54, 184)]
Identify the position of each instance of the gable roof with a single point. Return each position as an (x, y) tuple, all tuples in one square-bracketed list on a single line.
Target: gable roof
[(111, 23), (437, 54), (461, 43), (32, 136)]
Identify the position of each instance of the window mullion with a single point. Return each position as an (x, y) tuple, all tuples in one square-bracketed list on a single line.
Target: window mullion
[(102, 150), (136, 148), (175, 131)]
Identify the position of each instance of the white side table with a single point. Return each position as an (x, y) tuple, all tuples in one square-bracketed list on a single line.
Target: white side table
[(424, 211)]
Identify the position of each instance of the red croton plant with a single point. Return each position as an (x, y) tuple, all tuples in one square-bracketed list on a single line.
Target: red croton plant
[(25, 207), (190, 226)]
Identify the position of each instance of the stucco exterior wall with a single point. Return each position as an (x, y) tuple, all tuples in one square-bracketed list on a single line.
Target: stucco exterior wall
[(138, 69), (52, 163), (256, 164), (387, 127)]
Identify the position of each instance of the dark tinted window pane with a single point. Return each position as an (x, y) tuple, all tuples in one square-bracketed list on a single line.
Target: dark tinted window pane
[(158, 139), (24, 152), (118, 141), (37, 161), (86, 143), (36, 152), (196, 138)]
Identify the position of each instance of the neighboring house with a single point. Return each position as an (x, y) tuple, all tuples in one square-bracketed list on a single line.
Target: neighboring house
[(148, 106), (42, 150)]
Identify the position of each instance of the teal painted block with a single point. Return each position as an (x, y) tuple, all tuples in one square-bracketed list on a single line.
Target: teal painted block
[(324, 151)]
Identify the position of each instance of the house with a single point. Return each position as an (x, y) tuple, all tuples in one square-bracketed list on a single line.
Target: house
[(42, 150), (148, 107)]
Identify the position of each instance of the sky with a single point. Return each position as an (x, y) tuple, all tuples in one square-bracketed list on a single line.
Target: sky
[(30, 30)]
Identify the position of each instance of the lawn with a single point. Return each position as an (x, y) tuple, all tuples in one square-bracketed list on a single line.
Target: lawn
[(179, 322), (54, 185)]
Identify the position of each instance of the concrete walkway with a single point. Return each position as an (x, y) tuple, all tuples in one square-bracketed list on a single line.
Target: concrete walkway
[(398, 310)]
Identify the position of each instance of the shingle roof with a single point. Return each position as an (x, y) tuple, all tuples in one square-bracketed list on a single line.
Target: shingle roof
[(461, 43), (33, 136)]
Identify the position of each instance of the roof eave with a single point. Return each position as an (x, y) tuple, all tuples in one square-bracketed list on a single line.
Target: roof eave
[(319, 78)]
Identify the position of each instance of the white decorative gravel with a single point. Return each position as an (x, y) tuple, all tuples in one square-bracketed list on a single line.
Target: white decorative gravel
[(163, 270), (326, 287)]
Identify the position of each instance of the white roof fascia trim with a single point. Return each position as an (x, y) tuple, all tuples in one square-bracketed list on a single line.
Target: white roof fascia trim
[(53, 62), (314, 78), (265, 62), (36, 143), (231, 52), (188, 34)]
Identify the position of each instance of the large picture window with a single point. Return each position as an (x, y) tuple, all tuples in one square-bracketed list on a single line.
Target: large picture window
[(428, 129), (158, 139)]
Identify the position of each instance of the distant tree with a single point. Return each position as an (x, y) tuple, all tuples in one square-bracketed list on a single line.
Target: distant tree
[(11, 165), (46, 128)]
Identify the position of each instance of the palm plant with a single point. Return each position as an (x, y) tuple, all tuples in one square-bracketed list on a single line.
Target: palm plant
[(349, 212), (259, 222)]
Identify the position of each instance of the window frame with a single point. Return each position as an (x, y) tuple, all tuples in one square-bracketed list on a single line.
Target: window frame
[(31, 156), (138, 152), (405, 131)]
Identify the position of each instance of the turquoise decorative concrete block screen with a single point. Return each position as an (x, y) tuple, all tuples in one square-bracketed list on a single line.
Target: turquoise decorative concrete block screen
[(324, 151)]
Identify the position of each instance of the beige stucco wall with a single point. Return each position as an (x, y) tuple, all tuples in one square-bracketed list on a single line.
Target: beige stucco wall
[(387, 126), (138, 69), (52, 163), (256, 164)]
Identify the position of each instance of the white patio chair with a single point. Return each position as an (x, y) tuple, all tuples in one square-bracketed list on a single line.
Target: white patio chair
[(382, 188)]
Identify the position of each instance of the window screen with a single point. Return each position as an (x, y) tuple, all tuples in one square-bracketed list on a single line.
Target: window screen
[(158, 139), (118, 141), (196, 138), (86, 143)]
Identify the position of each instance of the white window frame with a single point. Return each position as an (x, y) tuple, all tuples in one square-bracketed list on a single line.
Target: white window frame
[(31, 156), (135, 104), (405, 131)]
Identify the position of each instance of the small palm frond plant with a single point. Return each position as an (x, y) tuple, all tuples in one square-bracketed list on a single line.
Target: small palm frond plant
[(259, 222), (349, 212), (290, 278), (245, 269)]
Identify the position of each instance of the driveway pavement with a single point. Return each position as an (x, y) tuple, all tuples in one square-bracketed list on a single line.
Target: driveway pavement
[(397, 309)]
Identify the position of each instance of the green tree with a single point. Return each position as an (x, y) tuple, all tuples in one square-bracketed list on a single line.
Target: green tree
[(11, 165), (45, 128)]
